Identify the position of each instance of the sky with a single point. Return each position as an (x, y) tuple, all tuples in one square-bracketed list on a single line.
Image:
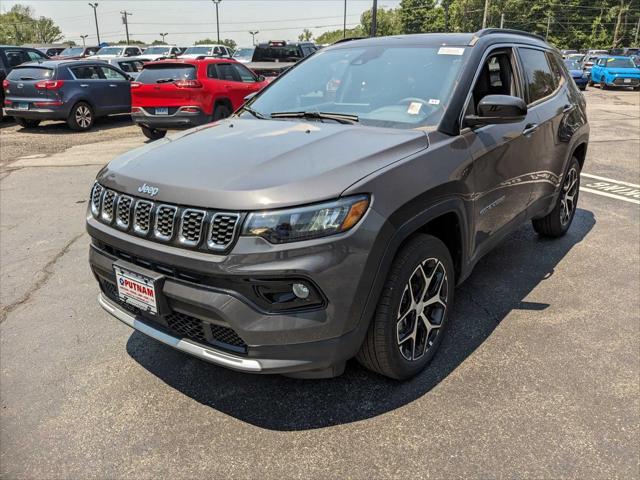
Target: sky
[(186, 21)]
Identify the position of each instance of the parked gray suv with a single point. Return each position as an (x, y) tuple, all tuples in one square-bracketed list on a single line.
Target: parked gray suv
[(332, 216)]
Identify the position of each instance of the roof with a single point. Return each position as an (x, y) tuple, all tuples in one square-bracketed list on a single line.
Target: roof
[(57, 63), (190, 61)]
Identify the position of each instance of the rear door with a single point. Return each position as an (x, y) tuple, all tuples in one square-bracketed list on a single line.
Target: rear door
[(231, 83), (119, 90)]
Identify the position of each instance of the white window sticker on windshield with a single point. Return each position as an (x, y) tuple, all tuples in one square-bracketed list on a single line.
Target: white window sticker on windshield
[(451, 51), (414, 108), (434, 101)]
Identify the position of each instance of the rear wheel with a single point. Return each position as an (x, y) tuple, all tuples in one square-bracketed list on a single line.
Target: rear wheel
[(591, 84), (603, 85), (221, 111), (81, 117), (412, 312), (559, 220), (27, 122), (152, 133)]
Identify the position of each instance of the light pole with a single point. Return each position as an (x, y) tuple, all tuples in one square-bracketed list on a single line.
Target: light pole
[(374, 18), (253, 37), (95, 16), (217, 2), (164, 35), (344, 26), (83, 42)]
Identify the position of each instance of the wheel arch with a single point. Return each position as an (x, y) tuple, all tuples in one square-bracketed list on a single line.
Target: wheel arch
[(226, 101)]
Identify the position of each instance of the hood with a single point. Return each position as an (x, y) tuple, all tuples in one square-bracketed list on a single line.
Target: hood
[(576, 73), (247, 164)]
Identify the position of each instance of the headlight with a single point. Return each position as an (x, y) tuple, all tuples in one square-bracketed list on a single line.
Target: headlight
[(304, 223)]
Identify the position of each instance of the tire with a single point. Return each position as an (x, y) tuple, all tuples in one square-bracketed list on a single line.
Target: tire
[(398, 344), (582, 89), (81, 117), (221, 111), (591, 84), (152, 133), (603, 85), (27, 122), (556, 223)]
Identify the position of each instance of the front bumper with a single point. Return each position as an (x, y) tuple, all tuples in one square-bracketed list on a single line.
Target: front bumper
[(318, 340), (177, 120)]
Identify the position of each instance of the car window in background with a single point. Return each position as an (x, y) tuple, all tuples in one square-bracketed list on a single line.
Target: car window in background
[(156, 50), (30, 73), (244, 53), (197, 51), (620, 63), (72, 52), (572, 65), (110, 51), (131, 66), (92, 50), (35, 56), (244, 73), (383, 85), (227, 72), (15, 57), (111, 74), (164, 73), (87, 73), (539, 78)]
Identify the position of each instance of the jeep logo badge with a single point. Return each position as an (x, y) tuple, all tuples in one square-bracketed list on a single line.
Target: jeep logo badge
[(148, 189)]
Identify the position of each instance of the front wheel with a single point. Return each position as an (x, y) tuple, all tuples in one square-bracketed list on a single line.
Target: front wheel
[(152, 133), (81, 117), (412, 312), (27, 122), (559, 220), (591, 84)]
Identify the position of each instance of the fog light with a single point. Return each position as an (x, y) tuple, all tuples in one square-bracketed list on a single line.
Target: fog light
[(300, 290)]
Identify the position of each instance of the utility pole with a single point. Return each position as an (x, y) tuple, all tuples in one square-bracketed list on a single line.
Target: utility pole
[(253, 37), (344, 28), (95, 16), (125, 14), (164, 35), (374, 18), (83, 42), (635, 42), (486, 14), (502, 20), (548, 25), (217, 2)]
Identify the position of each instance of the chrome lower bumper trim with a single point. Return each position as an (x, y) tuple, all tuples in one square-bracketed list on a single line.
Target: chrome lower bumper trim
[(209, 355)]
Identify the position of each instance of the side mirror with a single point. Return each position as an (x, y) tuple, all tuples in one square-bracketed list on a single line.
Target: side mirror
[(261, 78), (498, 109), (250, 96)]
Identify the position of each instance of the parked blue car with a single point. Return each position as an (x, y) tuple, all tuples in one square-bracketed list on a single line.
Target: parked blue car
[(77, 91), (615, 72), (579, 76)]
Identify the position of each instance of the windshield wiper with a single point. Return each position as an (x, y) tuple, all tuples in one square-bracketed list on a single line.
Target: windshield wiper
[(164, 80), (255, 113), (338, 117)]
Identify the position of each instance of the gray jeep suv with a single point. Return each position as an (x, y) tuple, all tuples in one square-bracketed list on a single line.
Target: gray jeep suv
[(332, 216)]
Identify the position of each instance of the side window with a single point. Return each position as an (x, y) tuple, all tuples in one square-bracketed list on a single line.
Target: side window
[(245, 74), (227, 72), (111, 74), (34, 56), (212, 72), (129, 52), (538, 76), (87, 73), (217, 51), (556, 69), (15, 57), (496, 77)]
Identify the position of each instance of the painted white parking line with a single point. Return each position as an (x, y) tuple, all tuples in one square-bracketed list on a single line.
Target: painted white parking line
[(608, 187)]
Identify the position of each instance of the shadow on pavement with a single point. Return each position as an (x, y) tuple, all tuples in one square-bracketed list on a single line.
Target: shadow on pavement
[(498, 285), (60, 127)]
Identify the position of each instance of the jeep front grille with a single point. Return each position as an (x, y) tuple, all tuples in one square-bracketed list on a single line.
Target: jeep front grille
[(165, 223)]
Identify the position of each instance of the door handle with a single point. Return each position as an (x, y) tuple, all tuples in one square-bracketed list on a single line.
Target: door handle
[(84, 85), (530, 128), (568, 108)]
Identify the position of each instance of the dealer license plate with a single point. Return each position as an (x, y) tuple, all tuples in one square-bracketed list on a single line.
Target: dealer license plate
[(162, 111), (136, 289), (22, 106)]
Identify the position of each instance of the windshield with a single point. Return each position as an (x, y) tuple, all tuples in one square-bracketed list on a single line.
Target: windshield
[(198, 50), (277, 53), (572, 65), (166, 72), (72, 52), (243, 53), (620, 63), (157, 50), (110, 51), (399, 87)]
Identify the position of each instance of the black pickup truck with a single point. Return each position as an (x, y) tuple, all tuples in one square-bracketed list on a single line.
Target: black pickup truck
[(272, 58)]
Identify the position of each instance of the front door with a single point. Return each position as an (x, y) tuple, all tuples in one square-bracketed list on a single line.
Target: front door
[(118, 89), (502, 162)]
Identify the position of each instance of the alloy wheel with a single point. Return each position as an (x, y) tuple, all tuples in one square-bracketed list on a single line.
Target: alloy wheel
[(422, 309), (83, 116), (568, 196)]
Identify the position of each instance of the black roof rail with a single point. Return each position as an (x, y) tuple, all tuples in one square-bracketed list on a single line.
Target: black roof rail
[(349, 39), (493, 31)]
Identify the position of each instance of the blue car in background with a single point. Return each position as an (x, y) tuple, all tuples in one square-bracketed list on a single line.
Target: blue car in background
[(579, 76), (77, 91), (615, 72)]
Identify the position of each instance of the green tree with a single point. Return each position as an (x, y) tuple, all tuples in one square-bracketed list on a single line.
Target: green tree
[(16, 26), (46, 31), (422, 16), (306, 35), (208, 41), (388, 22), (335, 35), (158, 42), (130, 42)]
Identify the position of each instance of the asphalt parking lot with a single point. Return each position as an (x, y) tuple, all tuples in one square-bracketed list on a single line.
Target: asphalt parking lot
[(538, 375)]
